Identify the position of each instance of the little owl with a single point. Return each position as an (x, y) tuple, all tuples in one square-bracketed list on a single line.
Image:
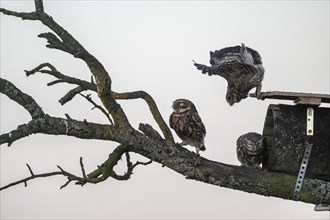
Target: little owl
[(187, 124), (250, 149), (242, 68)]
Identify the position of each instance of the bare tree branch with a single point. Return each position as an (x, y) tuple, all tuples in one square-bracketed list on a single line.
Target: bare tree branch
[(82, 168), (99, 175), (84, 85), (72, 93), (153, 109), (39, 5), (63, 78), (54, 42), (21, 98), (45, 124), (70, 45), (60, 126), (33, 176), (141, 163), (88, 97), (150, 131)]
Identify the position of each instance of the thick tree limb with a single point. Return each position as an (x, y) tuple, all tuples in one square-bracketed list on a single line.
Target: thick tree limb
[(60, 126), (246, 179), (21, 98), (195, 167)]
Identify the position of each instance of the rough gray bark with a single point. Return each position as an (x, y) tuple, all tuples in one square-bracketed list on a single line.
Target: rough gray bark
[(150, 144)]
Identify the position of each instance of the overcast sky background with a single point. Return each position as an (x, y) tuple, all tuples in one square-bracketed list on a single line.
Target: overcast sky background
[(149, 45)]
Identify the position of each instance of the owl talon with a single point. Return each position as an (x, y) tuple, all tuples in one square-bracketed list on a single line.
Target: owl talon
[(258, 92), (183, 143), (198, 160)]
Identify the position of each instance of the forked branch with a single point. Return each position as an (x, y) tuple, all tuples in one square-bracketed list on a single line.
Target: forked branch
[(64, 41), (101, 174), (85, 85)]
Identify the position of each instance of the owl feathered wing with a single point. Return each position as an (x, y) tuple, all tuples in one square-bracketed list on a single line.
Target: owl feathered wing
[(189, 126), (229, 62), (227, 70), (171, 121), (234, 53), (198, 121)]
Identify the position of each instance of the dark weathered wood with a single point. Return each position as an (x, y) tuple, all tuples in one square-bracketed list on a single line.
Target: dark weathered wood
[(295, 96), (285, 133)]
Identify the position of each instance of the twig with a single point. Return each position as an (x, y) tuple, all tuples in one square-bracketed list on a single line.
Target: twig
[(72, 93), (64, 185), (55, 82), (82, 168), (32, 174), (88, 97), (68, 116), (54, 42), (25, 180), (150, 131), (142, 163)]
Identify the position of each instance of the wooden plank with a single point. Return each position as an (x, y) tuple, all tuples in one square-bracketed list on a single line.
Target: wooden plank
[(308, 101), (324, 98)]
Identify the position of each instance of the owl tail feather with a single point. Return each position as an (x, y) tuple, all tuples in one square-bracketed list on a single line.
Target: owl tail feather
[(203, 148)]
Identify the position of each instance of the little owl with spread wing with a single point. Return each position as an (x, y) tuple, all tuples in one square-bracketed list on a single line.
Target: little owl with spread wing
[(242, 68), (187, 124)]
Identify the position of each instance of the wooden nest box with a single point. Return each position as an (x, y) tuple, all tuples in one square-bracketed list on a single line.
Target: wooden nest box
[(288, 129)]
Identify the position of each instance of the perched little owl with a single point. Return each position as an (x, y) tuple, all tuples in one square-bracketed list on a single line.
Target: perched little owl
[(242, 68), (250, 149), (187, 124)]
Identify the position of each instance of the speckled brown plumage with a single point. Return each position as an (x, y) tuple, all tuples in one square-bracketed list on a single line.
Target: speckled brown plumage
[(187, 124)]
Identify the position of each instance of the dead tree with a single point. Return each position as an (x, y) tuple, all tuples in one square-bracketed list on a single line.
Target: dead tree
[(147, 142)]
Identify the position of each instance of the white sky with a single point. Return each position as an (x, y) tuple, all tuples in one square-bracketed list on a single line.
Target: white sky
[(150, 46)]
